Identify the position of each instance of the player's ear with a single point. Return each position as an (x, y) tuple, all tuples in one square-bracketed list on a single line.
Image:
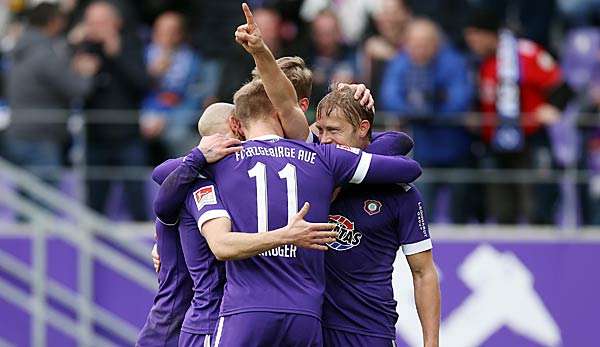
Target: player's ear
[(304, 103), (363, 128), (236, 127)]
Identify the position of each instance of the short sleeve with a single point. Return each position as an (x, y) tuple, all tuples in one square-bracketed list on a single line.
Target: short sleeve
[(413, 226), (204, 203), (347, 164)]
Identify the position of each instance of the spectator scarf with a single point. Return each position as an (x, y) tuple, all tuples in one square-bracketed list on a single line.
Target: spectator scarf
[(509, 135)]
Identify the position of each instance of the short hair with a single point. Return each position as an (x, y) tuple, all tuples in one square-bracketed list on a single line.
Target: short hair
[(214, 119), (342, 100), (43, 13), (251, 102), (296, 71)]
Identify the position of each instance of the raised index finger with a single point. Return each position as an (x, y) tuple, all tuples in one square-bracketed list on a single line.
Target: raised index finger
[(248, 14)]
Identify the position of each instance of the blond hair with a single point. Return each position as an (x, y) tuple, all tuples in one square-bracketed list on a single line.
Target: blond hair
[(296, 71), (342, 100)]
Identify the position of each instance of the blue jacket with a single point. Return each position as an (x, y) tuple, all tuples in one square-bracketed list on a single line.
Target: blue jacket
[(437, 92)]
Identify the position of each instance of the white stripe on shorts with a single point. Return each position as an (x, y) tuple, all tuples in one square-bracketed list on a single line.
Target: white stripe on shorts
[(393, 343), (219, 331), (206, 341)]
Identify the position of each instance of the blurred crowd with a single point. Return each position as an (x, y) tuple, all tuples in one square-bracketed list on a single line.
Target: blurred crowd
[(479, 84)]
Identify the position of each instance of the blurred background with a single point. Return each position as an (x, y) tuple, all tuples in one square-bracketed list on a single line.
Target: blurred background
[(501, 97)]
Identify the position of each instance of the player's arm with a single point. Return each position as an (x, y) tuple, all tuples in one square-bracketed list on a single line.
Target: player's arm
[(390, 143), (228, 245), (416, 246), (427, 295), (174, 189), (280, 90), (351, 165)]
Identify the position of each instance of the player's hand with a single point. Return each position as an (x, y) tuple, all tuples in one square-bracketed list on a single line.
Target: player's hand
[(361, 93), (155, 258), (308, 235), (248, 35), (216, 147)]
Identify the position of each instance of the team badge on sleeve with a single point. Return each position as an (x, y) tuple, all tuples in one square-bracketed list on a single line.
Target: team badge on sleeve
[(347, 237), (205, 196), (348, 148), (372, 207)]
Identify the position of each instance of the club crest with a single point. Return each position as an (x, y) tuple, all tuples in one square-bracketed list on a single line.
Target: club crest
[(372, 207), (347, 237)]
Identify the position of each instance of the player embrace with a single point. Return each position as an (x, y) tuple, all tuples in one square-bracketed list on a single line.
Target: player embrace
[(285, 291)]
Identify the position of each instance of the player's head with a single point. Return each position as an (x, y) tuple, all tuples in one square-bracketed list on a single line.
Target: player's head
[(296, 71), (341, 119), (481, 32), (253, 108), (219, 118)]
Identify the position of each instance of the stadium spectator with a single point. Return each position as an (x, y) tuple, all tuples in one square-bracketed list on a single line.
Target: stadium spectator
[(41, 84), (330, 60), (429, 84), (353, 14), (390, 18), (113, 135), (515, 120), (169, 110), (448, 14)]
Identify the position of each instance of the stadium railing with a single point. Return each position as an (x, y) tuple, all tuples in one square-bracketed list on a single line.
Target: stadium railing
[(49, 213), (571, 176)]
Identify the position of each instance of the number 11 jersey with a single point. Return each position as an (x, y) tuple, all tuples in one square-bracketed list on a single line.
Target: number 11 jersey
[(262, 187)]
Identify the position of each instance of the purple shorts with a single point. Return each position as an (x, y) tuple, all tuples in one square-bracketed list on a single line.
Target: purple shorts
[(193, 340), (267, 329), (340, 338)]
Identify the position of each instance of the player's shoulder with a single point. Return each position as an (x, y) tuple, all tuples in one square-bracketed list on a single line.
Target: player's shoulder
[(403, 192), (203, 192)]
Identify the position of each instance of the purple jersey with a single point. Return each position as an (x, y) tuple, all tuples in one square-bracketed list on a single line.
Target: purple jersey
[(174, 292), (262, 187), (373, 223), (208, 274)]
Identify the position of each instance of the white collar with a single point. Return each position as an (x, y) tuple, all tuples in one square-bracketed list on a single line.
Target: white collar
[(266, 137)]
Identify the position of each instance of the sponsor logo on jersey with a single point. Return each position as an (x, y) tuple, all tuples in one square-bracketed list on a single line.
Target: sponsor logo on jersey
[(347, 237), (372, 207), (205, 196), (349, 149)]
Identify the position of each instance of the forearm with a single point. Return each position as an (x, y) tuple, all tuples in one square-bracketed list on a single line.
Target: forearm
[(390, 143), (427, 299), (282, 94), (398, 169), (240, 245), (173, 191), (162, 171)]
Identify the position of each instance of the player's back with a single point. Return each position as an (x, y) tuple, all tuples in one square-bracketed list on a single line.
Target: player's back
[(207, 273), (174, 292), (262, 186)]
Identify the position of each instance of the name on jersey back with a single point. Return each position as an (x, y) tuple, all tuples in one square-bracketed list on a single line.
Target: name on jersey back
[(277, 152)]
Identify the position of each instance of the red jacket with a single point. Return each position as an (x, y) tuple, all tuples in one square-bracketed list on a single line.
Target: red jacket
[(539, 74)]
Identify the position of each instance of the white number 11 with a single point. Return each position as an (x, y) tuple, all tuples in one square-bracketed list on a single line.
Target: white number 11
[(259, 171)]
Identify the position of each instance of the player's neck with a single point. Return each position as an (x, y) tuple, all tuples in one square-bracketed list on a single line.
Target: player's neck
[(364, 143), (259, 129)]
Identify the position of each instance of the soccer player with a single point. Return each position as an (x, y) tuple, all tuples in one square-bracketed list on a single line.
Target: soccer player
[(373, 223), (175, 290)]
